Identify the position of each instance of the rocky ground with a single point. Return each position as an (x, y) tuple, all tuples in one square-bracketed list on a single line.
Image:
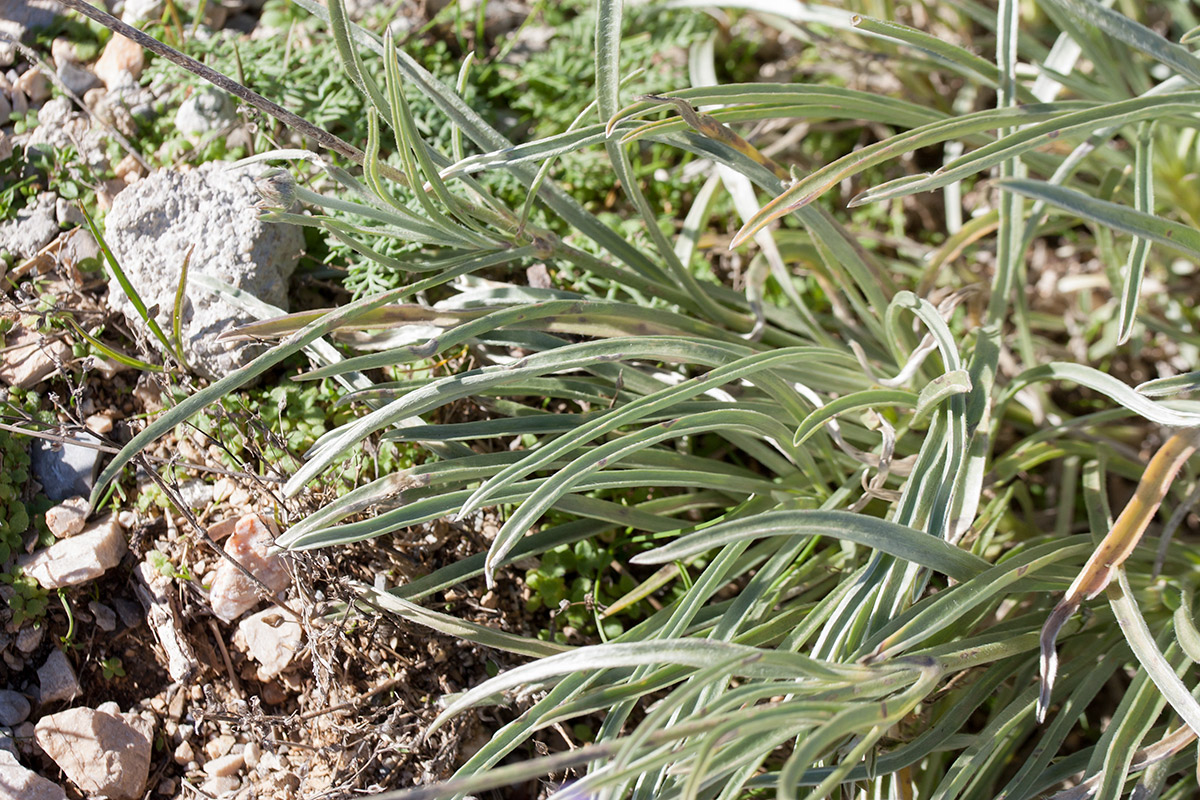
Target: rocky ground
[(168, 653)]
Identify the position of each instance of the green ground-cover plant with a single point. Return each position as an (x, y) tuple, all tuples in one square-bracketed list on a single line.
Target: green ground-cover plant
[(897, 489)]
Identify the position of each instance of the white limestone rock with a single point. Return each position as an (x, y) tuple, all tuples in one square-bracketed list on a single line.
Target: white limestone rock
[(80, 559), (18, 783), (232, 593), (156, 221), (101, 753), (30, 357), (272, 638), (68, 517)]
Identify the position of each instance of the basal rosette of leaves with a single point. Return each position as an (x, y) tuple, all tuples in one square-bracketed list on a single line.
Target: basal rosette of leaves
[(898, 490)]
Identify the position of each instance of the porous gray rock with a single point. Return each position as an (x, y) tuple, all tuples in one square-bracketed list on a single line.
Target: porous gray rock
[(66, 470), (79, 559), (34, 227), (18, 783), (20, 17), (154, 223), (206, 111), (57, 679), (101, 753)]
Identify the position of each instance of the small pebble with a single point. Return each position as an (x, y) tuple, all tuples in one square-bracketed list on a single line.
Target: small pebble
[(99, 423), (219, 746), (184, 754), (68, 517), (221, 786), (56, 678), (35, 85), (81, 558), (232, 594), (222, 489), (24, 734), (8, 741), (131, 613), (14, 708), (251, 754), (30, 638), (106, 618), (225, 765), (273, 694)]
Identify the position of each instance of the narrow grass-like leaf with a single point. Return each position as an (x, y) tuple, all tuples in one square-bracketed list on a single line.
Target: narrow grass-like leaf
[(878, 534), (452, 626), (1143, 201), (1032, 137), (814, 185), (1132, 33), (1186, 632), (868, 398), (109, 352), (959, 59), (201, 399), (1127, 220), (126, 287), (938, 391), (1159, 387), (696, 653), (1142, 643), (1108, 386), (177, 310)]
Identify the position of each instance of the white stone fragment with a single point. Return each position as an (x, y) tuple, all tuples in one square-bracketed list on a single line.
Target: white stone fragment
[(121, 62), (220, 787), (29, 357), (80, 559), (232, 593), (101, 753), (18, 783), (225, 765), (271, 638), (68, 517)]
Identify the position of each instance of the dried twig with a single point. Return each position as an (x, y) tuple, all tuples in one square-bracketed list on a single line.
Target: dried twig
[(1115, 548)]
